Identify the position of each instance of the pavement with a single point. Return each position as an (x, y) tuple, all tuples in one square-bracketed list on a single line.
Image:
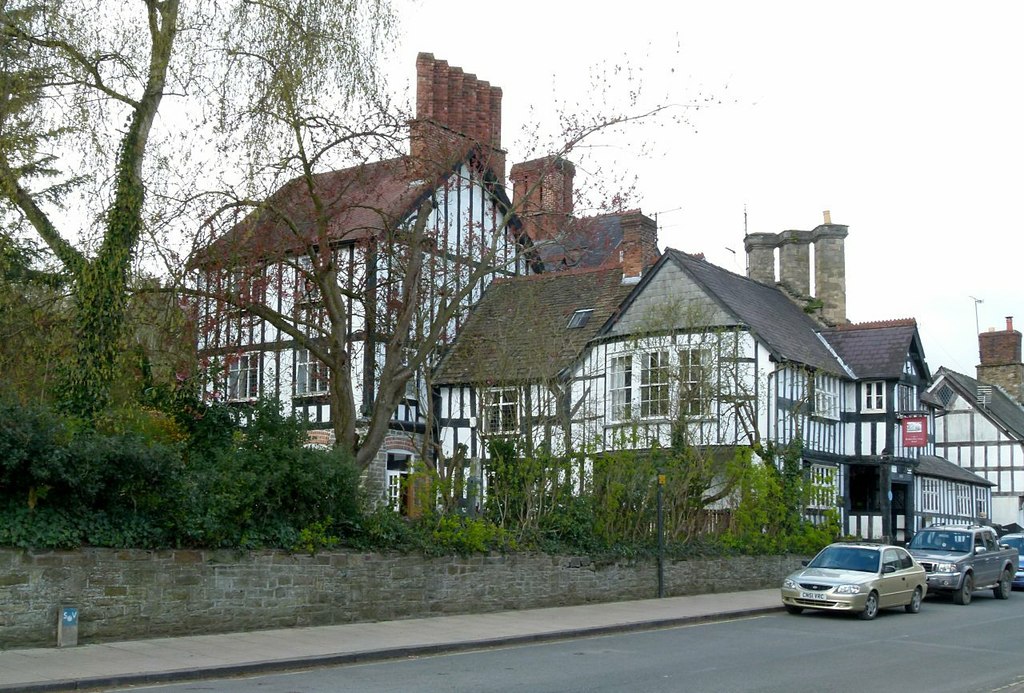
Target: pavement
[(163, 660)]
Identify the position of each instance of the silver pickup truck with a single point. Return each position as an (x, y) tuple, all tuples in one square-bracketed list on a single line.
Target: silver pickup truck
[(960, 559)]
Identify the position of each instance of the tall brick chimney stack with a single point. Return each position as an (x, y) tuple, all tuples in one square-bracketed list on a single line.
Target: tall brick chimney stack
[(454, 111), (542, 195), (639, 248), (1001, 360), (830, 269)]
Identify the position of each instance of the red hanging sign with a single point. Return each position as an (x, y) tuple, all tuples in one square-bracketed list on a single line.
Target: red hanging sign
[(915, 431)]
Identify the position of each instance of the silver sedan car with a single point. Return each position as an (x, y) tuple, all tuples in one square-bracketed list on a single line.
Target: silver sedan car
[(858, 578)]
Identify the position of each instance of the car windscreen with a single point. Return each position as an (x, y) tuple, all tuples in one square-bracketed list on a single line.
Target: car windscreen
[(1014, 542), (847, 558), (941, 540)]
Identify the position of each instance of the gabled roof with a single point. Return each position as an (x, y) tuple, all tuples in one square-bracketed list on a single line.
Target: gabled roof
[(931, 465), (358, 202), (877, 349), (1001, 408), (783, 327), (519, 331)]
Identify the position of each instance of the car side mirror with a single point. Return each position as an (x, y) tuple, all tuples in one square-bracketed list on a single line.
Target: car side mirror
[(804, 562), (888, 569), (979, 549)]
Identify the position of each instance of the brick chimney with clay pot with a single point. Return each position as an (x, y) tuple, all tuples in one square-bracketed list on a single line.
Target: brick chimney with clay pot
[(1001, 360)]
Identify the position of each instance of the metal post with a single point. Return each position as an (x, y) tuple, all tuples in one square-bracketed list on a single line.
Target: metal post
[(661, 540)]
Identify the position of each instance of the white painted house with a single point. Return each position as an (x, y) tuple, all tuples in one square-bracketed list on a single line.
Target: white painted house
[(734, 360), (454, 174), (980, 423)]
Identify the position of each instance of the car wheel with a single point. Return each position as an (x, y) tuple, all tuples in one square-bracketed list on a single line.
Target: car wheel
[(795, 610), (914, 605), (963, 595), (870, 607), (1002, 590)]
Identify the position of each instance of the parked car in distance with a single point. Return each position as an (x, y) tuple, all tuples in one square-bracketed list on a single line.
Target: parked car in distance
[(1015, 541), (858, 578), (960, 559)]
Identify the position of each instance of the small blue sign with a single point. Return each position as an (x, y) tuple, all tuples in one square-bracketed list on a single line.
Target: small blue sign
[(69, 616)]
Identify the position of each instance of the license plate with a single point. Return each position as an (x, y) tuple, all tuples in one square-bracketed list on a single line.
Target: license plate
[(813, 596)]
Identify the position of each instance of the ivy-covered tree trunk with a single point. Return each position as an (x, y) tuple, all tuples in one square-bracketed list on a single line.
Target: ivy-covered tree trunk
[(100, 283)]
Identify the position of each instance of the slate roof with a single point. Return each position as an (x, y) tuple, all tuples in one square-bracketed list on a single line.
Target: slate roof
[(518, 331), (876, 349), (931, 465), (359, 202), (1001, 406), (786, 330), (587, 242)]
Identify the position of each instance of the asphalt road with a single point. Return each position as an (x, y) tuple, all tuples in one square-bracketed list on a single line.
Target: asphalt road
[(943, 648)]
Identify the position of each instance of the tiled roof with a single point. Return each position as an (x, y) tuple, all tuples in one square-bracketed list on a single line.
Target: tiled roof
[(874, 349), (519, 332), (358, 202), (788, 332), (1001, 407), (930, 465)]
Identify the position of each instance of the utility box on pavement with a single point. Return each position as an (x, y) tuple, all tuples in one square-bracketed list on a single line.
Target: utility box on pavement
[(67, 627)]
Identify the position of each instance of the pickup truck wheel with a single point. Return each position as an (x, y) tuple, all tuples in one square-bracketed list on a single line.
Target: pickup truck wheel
[(1002, 589), (963, 595), (870, 607), (914, 605)]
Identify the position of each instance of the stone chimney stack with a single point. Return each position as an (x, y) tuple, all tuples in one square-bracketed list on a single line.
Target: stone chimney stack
[(795, 262), (760, 249), (639, 248), (1001, 360), (542, 195), (830, 269), (455, 111), (828, 241)]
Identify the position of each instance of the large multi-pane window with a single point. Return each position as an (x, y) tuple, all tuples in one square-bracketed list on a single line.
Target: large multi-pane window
[(963, 500), (501, 411), (929, 495), (311, 375), (874, 395), (823, 489), (980, 502), (654, 384), (907, 397), (694, 382), (243, 378), (826, 396), (620, 387)]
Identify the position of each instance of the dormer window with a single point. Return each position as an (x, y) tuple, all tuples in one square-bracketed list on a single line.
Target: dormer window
[(580, 318)]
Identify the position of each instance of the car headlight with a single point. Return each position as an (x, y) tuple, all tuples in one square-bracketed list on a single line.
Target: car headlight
[(789, 584), (945, 568), (848, 589)]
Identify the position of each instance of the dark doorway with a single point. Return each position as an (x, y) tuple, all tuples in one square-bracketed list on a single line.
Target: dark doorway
[(864, 488)]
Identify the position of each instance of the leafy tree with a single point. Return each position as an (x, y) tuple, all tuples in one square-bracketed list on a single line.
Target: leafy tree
[(88, 78)]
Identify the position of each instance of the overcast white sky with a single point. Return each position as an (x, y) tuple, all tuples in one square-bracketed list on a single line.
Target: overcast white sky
[(905, 119)]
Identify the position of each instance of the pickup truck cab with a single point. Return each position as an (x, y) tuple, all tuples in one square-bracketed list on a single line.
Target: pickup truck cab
[(960, 559)]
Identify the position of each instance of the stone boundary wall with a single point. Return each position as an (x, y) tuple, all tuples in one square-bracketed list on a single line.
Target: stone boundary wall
[(133, 594)]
